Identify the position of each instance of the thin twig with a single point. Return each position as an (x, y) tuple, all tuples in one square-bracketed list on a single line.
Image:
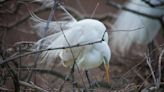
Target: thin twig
[(14, 78), (32, 86), (148, 61), (94, 11), (48, 71), (74, 63), (81, 7), (9, 59), (159, 69), (5, 89), (50, 17), (61, 76), (141, 77), (101, 17)]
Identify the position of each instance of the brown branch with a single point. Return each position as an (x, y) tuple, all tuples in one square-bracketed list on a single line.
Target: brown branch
[(148, 61), (5, 89), (100, 84), (52, 72), (146, 82), (9, 59), (61, 76), (32, 86), (159, 68), (14, 78)]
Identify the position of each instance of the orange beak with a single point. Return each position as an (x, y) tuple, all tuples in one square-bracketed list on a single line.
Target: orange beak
[(107, 72)]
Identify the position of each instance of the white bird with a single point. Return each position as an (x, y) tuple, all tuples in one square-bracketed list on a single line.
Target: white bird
[(75, 32), (123, 40)]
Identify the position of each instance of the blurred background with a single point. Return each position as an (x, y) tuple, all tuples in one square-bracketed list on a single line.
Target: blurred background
[(129, 70)]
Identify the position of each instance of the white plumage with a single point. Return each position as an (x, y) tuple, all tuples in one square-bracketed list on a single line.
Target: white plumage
[(123, 40), (74, 32), (81, 32)]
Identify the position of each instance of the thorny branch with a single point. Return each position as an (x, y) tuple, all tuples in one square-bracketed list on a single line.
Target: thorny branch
[(34, 52), (9, 59)]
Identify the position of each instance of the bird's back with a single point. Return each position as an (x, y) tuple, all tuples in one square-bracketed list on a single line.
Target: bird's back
[(78, 34)]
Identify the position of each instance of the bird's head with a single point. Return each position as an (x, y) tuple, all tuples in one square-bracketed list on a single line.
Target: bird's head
[(106, 53), (92, 23), (106, 56)]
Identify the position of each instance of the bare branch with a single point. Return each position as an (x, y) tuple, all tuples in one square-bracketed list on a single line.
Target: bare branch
[(159, 69), (9, 59), (148, 61), (32, 86), (61, 76), (5, 89), (52, 72)]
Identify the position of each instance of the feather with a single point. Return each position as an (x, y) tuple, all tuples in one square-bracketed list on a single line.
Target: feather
[(54, 26), (123, 40), (76, 34)]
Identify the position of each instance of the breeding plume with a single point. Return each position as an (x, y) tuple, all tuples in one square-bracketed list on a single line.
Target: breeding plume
[(123, 40), (71, 33)]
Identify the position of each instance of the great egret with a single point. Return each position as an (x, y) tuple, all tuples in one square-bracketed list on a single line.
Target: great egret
[(123, 40), (71, 33)]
